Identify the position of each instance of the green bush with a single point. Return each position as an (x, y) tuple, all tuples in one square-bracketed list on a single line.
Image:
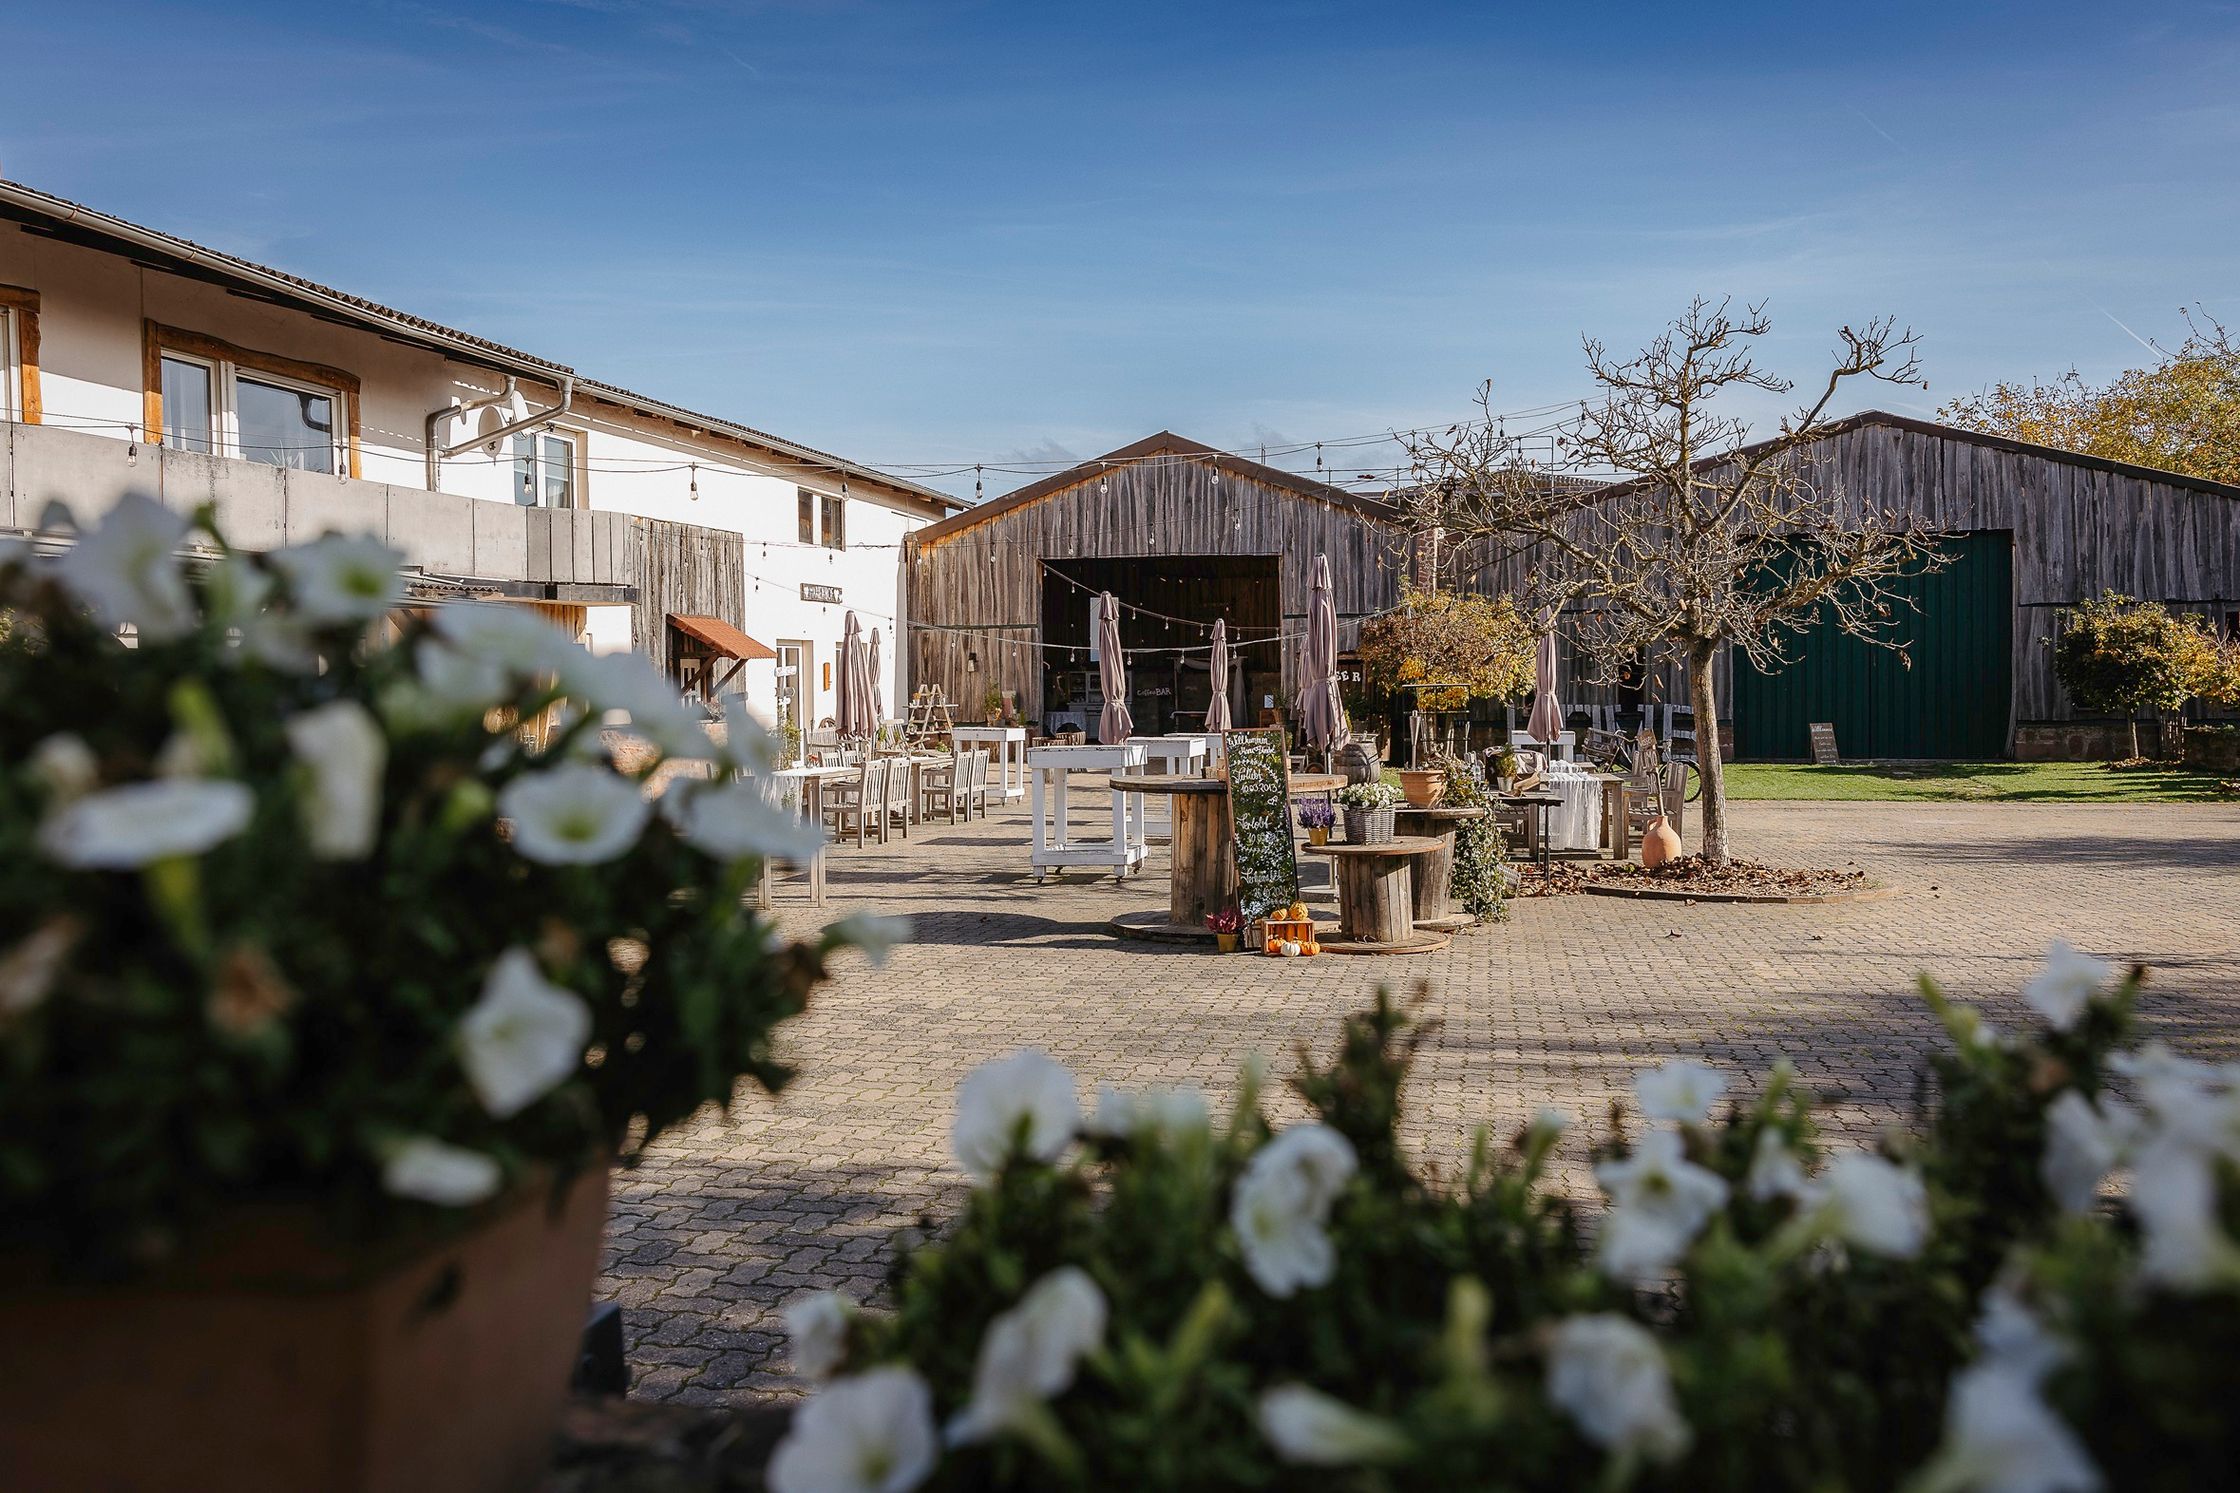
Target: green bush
[(1147, 1299), (2116, 656)]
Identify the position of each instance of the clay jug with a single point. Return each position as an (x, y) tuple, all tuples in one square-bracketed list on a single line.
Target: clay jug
[(1659, 843)]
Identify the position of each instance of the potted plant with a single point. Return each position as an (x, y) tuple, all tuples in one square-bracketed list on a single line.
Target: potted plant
[(1504, 768), (1316, 817), (333, 970), (991, 706), (1368, 809), (1226, 924), (1423, 785)]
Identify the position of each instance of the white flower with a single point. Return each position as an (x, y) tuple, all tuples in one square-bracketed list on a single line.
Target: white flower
[(747, 745), (65, 766), (731, 821), (123, 829), (628, 682), (341, 578), (871, 933), (127, 570), (1775, 1170), (2174, 1198), (28, 971), (428, 1171), (1308, 1427), (2013, 1338), (2060, 990), (343, 747), (1550, 1121), (459, 681), (517, 640), (235, 593), (871, 1433), (1165, 1112), (1877, 1205), (817, 1326), (1606, 1372), (1281, 1204), (2084, 1142), (523, 1037), (2001, 1437), (1661, 1201), (1021, 1104), (1030, 1352), (573, 815), (1681, 1092)]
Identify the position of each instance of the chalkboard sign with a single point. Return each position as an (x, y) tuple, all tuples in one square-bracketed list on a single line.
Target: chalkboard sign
[(1823, 735), (1260, 811)]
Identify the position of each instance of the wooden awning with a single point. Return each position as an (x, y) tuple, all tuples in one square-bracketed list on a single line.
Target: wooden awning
[(727, 641)]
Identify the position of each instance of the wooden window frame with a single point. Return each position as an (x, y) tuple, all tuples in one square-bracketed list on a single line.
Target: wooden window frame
[(832, 521), (24, 306), (156, 339)]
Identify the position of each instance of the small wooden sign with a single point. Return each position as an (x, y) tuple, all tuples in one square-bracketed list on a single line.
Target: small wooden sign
[(810, 591), (1260, 819), (1823, 743)]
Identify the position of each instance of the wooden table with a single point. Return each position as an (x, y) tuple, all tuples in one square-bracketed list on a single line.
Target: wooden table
[(1203, 878), (1048, 769), (1434, 876), (1376, 897), (1539, 805), (1308, 784), (1007, 754)]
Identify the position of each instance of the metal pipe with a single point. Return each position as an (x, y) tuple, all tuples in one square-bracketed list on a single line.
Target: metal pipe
[(534, 417)]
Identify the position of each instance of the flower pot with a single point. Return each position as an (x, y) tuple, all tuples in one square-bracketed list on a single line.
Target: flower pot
[(1225, 942), (273, 1359), (1368, 826), (1422, 786), (1659, 843), (1318, 836)]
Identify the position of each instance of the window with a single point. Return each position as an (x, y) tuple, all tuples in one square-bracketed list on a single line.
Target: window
[(19, 354), (214, 398), (835, 523), (544, 469), (805, 505), (10, 401)]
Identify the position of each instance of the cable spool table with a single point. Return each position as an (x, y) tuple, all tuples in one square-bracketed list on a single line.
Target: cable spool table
[(1434, 875), (1202, 877), (1376, 897)]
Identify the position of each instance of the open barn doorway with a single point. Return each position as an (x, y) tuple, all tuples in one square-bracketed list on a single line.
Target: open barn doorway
[(1168, 605)]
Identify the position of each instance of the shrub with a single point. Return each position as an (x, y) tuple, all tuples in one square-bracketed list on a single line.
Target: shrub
[(290, 911), (2116, 656), (1480, 881), (1150, 1299), (1462, 645)]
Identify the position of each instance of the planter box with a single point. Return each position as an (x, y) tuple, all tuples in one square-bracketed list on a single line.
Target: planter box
[(1368, 826), (274, 1361)]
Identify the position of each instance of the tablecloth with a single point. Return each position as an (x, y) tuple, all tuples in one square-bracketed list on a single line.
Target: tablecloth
[(1576, 823)]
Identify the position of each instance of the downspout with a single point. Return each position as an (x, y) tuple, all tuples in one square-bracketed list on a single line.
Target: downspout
[(534, 417)]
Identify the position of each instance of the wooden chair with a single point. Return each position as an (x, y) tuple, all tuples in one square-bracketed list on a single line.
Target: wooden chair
[(943, 784), (788, 798), (859, 801), (976, 783), (899, 809)]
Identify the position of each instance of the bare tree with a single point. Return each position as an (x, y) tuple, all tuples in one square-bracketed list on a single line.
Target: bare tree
[(1709, 540)]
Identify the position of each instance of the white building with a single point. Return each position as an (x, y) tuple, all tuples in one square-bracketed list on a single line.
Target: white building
[(133, 359)]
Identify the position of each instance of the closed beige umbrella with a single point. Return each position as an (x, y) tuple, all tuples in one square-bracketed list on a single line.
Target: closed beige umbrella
[(1217, 709), (1320, 714), (1114, 723)]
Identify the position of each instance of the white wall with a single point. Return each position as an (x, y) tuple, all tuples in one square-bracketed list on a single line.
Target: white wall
[(91, 308)]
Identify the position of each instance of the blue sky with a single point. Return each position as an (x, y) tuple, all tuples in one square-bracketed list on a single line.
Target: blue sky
[(985, 232)]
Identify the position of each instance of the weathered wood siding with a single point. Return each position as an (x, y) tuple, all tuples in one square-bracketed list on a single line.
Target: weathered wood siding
[(2078, 528), (978, 589), (684, 569)]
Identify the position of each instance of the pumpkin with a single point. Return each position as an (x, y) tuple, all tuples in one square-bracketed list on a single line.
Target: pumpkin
[(1297, 912)]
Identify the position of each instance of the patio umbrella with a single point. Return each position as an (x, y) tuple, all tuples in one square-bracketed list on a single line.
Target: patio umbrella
[(1217, 709), (1546, 723), (851, 703), (1115, 723), (1321, 714), (878, 693)]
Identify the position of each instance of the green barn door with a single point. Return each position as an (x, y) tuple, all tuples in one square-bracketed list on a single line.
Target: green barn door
[(1953, 702)]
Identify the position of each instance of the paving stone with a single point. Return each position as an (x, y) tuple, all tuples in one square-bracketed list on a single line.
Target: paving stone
[(728, 1218)]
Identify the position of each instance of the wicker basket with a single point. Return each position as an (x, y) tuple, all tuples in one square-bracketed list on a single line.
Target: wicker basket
[(1368, 826)]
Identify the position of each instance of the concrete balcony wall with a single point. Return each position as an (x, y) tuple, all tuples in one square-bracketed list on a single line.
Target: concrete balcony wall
[(261, 507)]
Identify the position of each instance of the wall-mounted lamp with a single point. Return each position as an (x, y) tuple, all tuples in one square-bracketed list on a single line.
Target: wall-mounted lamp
[(972, 663)]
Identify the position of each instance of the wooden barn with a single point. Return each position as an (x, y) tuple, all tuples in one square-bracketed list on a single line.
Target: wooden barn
[(999, 596), (2031, 530)]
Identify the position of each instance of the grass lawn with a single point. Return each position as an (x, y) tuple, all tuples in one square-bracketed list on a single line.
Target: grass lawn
[(2019, 782)]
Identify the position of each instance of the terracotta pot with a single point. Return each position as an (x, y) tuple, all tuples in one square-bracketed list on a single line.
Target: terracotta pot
[(1659, 843), (1225, 942), (274, 1360), (1422, 786)]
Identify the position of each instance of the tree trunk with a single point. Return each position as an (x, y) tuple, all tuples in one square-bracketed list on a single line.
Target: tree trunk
[(1703, 696), (2134, 738)]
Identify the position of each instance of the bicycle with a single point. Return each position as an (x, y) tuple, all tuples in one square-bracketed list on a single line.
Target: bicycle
[(1616, 752)]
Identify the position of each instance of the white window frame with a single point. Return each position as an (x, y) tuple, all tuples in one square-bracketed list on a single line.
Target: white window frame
[(536, 459), (225, 434)]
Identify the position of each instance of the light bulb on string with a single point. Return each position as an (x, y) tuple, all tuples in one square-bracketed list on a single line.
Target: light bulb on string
[(696, 482)]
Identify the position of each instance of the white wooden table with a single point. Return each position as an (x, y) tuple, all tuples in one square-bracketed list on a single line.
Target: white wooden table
[(1210, 740), (1007, 753), (1048, 770), (1175, 756)]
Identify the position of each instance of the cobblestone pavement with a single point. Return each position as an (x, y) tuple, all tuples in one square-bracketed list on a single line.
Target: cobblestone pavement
[(1560, 1005)]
